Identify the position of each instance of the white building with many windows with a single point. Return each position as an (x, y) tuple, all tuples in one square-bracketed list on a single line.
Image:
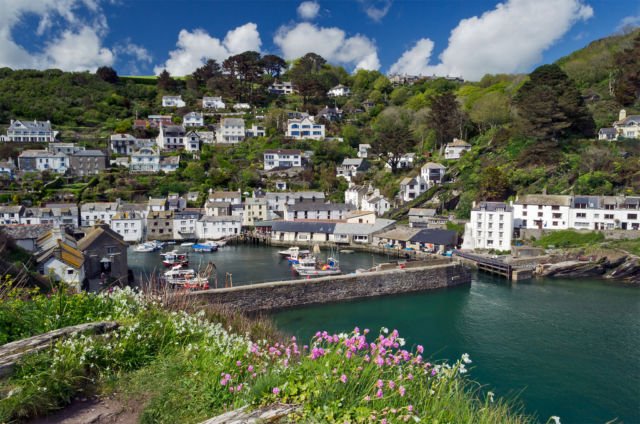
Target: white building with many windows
[(176, 137), (230, 131), (193, 119), (31, 131), (43, 160), (147, 159), (97, 212), (542, 211), (305, 128), (282, 158), (316, 211), (173, 101), (218, 227), (184, 224), (130, 225), (491, 227), (212, 103)]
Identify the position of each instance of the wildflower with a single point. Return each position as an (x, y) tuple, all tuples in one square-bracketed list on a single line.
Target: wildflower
[(367, 398), (379, 361), (379, 393), (392, 384), (409, 376), (555, 419), (343, 378), (366, 358), (380, 384), (465, 358), (410, 408), (383, 421), (420, 349), (250, 368), (490, 396), (239, 388), (366, 331), (384, 330), (401, 390), (275, 391)]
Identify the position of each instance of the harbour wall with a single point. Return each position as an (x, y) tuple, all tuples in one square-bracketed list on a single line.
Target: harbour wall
[(272, 296)]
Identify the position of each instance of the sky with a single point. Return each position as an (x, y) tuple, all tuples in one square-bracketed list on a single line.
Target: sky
[(466, 38)]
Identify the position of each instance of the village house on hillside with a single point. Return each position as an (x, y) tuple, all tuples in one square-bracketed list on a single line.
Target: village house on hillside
[(193, 119), (281, 88), (456, 149), (105, 255), (351, 167), (230, 131), (43, 160), (173, 101), (213, 103), (624, 127), (58, 257), (339, 91), (363, 150), (88, 162), (282, 159), (176, 137), (126, 144), (31, 131), (491, 227), (305, 128)]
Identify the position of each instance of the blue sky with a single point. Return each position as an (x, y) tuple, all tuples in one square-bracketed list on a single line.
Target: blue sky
[(445, 37)]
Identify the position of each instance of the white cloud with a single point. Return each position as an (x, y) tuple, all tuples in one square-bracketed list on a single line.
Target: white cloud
[(194, 48), (330, 43), (77, 47), (308, 10), (509, 38), (376, 9), (629, 22), (136, 54)]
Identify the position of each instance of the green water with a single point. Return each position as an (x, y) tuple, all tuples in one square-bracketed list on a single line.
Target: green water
[(566, 348)]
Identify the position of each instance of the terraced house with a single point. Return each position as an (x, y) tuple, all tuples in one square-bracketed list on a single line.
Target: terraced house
[(31, 131)]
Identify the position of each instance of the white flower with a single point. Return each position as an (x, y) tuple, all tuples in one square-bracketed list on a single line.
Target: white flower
[(385, 330), (555, 419), (490, 396), (465, 358)]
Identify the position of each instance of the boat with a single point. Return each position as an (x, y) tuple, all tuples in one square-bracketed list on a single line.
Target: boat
[(157, 244), (173, 258), (293, 251), (220, 243), (307, 263), (144, 247), (205, 247), (179, 276), (348, 251), (321, 270), (187, 244)]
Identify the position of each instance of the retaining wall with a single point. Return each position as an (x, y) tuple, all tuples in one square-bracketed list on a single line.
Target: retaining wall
[(287, 294)]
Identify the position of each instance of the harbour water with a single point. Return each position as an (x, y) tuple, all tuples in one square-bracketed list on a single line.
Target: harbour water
[(562, 347)]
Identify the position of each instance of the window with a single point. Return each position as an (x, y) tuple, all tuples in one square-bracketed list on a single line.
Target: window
[(111, 250), (556, 215), (539, 214), (608, 216), (581, 215), (554, 223), (489, 242)]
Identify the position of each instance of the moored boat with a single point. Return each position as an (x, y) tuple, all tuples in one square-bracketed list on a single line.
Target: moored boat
[(144, 247), (205, 247), (293, 251), (174, 258), (320, 270), (179, 276)]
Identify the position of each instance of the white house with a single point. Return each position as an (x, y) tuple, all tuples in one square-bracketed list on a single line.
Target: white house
[(242, 106), (605, 212), (374, 201), (175, 137), (363, 150), (230, 131), (193, 119), (62, 261), (147, 159), (231, 197), (130, 225), (43, 160), (256, 131), (185, 223), (608, 134), (405, 161), (212, 103), (285, 88), (282, 158), (316, 211), (339, 91), (218, 227), (169, 164), (433, 173), (627, 126), (456, 149), (542, 211), (491, 227), (10, 214), (126, 144), (65, 148), (96, 212), (31, 131), (7, 167), (173, 101), (276, 202), (305, 128), (351, 167), (412, 187)]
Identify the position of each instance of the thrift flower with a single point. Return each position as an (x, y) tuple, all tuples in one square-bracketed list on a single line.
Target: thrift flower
[(420, 349), (401, 390), (343, 378), (275, 391), (379, 393), (380, 384)]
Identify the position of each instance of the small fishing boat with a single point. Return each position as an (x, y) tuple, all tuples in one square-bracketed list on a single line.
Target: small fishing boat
[(321, 270), (307, 263), (293, 251), (187, 244), (144, 247), (205, 247), (179, 276), (174, 258)]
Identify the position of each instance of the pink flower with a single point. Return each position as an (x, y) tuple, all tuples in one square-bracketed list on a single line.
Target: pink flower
[(343, 378), (366, 358), (239, 388), (383, 421), (223, 382), (379, 393), (238, 363), (410, 408), (410, 376), (366, 331), (367, 398), (231, 389), (380, 384), (379, 361), (401, 390), (275, 391), (420, 349), (250, 368), (392, 384), (349, 354)]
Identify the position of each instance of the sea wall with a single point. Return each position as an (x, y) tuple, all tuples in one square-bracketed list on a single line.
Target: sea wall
[(287, 294), (608, 234)]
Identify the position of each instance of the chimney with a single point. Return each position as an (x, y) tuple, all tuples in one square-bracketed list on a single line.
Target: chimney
[(622, 115)]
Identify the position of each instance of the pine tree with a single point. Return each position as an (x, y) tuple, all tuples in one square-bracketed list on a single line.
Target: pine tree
[(627, 83)]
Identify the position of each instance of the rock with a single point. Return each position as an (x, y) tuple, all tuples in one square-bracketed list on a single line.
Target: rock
[(268, 414)]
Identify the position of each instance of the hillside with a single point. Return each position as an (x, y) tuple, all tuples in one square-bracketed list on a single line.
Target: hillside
[(517, 146)]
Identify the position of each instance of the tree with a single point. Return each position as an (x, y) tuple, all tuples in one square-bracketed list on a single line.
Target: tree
[(306, 77), (494, 184), (627, 83), (108, 74), (165, 82), (551, 107), (245, 68), (392, 137), (490, 110), (273, 65), (446, 118), (207, 71)]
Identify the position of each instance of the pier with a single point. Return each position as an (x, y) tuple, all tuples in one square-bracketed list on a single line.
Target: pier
[(496, 266)]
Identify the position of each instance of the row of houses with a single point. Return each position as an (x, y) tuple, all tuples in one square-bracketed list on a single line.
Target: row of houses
[(492, 224), (63, 157)]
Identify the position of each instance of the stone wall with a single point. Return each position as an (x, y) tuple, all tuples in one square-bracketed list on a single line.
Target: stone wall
[(288, 294), (608, 234)]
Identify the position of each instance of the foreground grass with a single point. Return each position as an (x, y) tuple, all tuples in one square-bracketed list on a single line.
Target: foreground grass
[(631, 246), (189, 367)]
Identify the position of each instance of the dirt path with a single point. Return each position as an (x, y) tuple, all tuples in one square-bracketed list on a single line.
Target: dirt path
[(93, 411)]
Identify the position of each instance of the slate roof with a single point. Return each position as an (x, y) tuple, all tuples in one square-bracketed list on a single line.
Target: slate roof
[(544, 199), (11, 209), (304, 227), (232, 122), (608, 131), (283, 152), (458, 143), (226, 218), (363, 229), (99, 207), (316, 206), (433, 165), (493, 206), (93, 235), (352, 162), (224, 194), (400, 233), (89, 153), (25, 232), (32, 125), (422, 212), (170, 160), (435, 236)]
